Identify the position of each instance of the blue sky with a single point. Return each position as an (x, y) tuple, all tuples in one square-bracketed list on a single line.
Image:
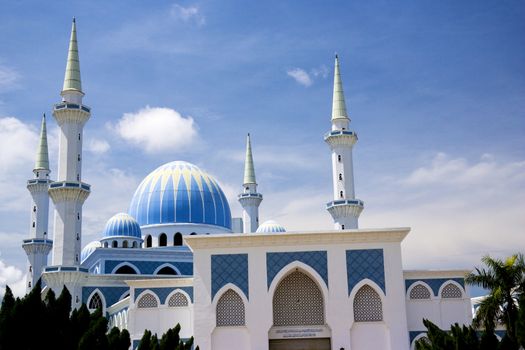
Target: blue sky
[(435, 91)]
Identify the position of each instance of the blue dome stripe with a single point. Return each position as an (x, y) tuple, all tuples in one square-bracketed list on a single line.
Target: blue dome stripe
[(168, 203), (209, 205), (154, 203), (182, 205), (197, 210), (122, 225)]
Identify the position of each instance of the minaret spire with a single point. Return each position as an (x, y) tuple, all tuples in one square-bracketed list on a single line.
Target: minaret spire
[(42, 155), (250, 199), (72, 89), (69, 192), (338, 104), (37, 246), (249, 171), (345, 208)]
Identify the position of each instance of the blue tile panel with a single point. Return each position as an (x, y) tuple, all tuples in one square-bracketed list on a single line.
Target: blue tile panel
[(111, 294), (163, 293), (315, 259), (414, 334), (434, 283), (365, 263), (148, 267), (229, 268)]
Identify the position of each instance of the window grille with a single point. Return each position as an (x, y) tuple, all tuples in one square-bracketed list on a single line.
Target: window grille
[(147, 301), (95, 302), (298, 301), (451, 291), (420, 292), (230, 310), (367, 305), (178, 300)]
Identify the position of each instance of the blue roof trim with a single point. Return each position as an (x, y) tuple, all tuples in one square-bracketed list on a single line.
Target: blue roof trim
[(163, 292), (434, 283), (149, 267), (111, 294)]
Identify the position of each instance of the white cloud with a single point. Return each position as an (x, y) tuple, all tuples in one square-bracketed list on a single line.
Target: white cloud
[(12, 276), (186, 14), (97, 146), (321, 71), (158, 129), (300, 76), (8, 78)]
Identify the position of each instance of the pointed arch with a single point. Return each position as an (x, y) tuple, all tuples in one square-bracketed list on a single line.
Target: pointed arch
[(178, 299), (177, 239), (95, 298), (148, 241), (126, 268), (147, 299), (451, 290), (419, 336), (298, 300), (163, 240), (164, 270), (363, 302), (230, 309), (419, 291), (298, 265)]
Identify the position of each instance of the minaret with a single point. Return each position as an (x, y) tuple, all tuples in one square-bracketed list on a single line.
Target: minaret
[(69, 192), (345, 208), (37, 247), (249, 198)]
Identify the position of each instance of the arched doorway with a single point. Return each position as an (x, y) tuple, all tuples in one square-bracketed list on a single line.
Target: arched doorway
[(298, 307)]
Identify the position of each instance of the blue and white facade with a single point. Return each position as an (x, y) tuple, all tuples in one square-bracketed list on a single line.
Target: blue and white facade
[(173, 257)]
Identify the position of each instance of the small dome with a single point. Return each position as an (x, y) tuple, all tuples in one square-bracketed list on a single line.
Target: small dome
[(88, 249), (180, 193), (270, 226), (122, 224)]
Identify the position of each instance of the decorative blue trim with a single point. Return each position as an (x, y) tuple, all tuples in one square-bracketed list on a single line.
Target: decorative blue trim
[(413, 334), (163, 292), (149, 267), (315, 259), (434, 283), (229, 268), (111, 294), (365, 263)]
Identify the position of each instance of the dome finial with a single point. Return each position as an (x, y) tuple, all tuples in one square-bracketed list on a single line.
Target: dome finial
[(338, 104)]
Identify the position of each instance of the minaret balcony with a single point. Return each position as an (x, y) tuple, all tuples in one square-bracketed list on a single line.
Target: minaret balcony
[(345, 208), (38, 185), (65, 105), (250, 195), (250, 199), (71, 113), (37, 245), (356, 202), (340, 138), (69, 190)]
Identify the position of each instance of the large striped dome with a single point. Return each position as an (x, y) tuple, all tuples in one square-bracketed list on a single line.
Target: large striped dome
[(179, 192)]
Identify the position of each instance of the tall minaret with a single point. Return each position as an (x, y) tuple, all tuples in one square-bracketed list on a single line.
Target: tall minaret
[(345, 208), (69, 192), (249, 198), (37, 247)]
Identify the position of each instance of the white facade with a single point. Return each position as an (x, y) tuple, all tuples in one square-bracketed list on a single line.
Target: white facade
[(173, 259)]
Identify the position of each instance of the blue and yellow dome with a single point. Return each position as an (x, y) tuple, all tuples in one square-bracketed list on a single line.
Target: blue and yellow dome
[(179, 192), (270, 226), (122, 224)]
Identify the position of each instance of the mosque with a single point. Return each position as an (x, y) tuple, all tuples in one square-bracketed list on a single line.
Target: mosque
[(177, 255)]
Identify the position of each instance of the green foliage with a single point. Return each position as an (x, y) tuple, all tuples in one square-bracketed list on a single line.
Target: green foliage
[(31, 323), (169, 341)]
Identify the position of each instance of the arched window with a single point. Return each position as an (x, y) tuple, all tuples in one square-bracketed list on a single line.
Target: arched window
[(451, 291), (167, 270), (147, 301), (105, 244), (298, 301), (134, 245), (95, 302), (177, 239), (230, 310), (178, 300), (148, 241), (163, 240), (114, 244), (367, 305), (419, 292), (125, 270), (125, 244)]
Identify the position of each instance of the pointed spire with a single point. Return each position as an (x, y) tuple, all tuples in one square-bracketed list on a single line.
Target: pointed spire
[(72, 77), (249, 171), (338, 105), (42, 156)]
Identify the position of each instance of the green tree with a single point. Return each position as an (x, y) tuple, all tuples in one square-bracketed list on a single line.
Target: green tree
[(505, 280), (95, 337), (118, 340), (145, 341), (6, 324)]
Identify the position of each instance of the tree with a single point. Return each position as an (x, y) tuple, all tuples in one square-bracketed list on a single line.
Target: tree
[(505, 280), (169, 341), (118, 340), (6, 319)]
